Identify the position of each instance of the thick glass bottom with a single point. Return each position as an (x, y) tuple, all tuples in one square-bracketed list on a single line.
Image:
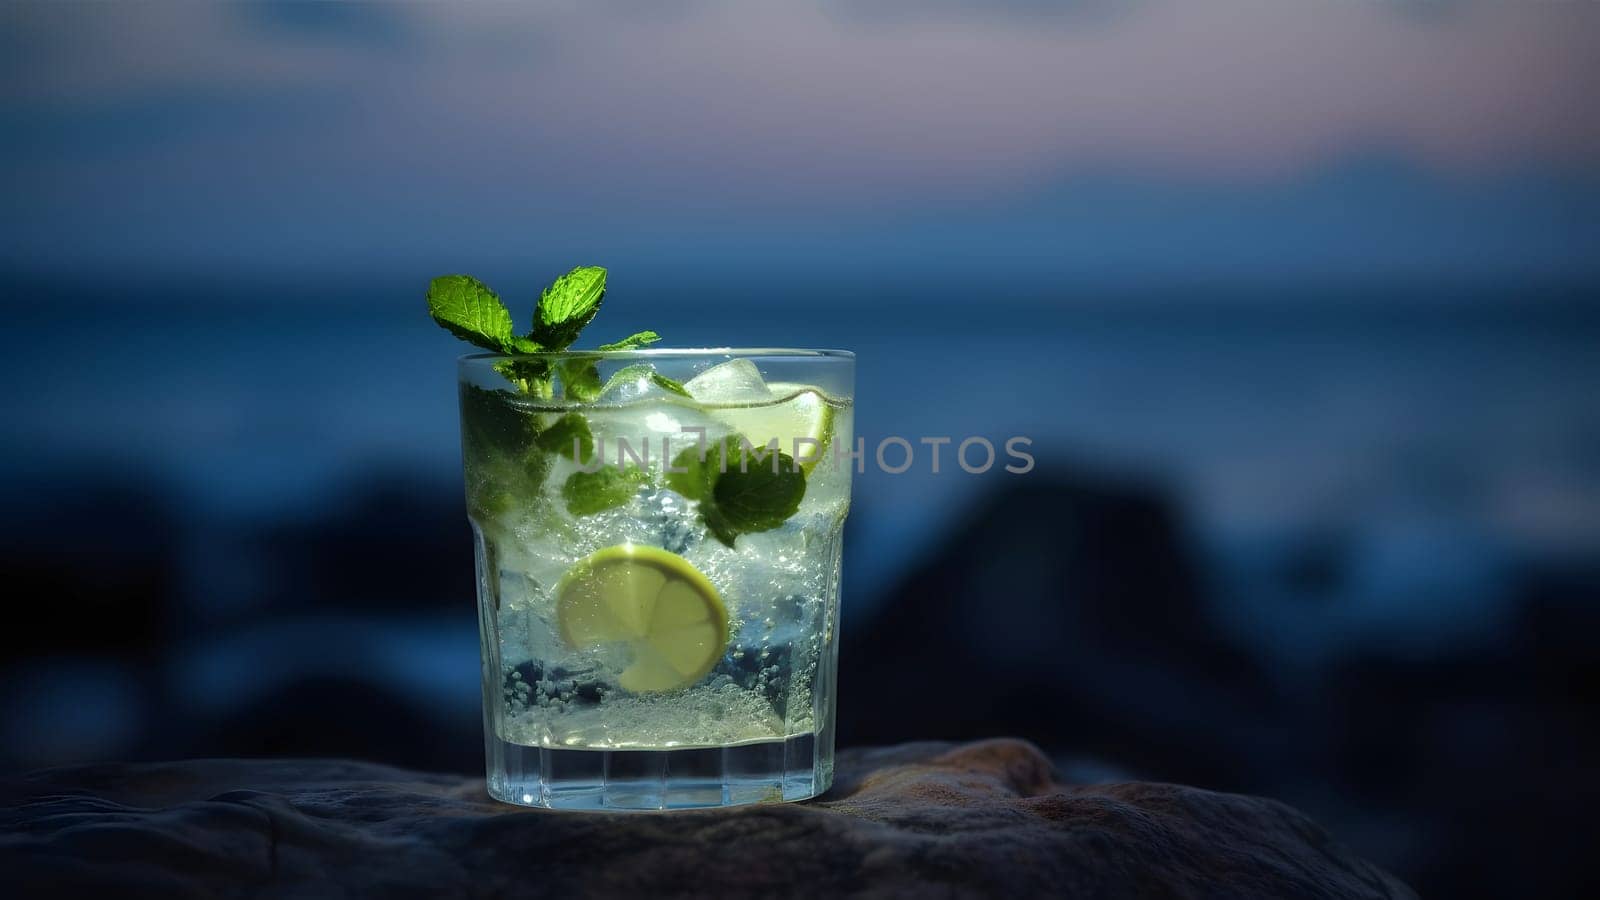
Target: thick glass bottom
[(690, 778)]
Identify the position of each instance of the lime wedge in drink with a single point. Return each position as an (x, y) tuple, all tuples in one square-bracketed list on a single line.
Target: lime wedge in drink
[(665, 611), (761, 410)]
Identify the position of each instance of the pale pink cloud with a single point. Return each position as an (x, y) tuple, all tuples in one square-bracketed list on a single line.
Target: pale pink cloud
[(756, 101)]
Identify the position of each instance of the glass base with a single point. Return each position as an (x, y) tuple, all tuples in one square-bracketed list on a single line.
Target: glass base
[(693, 778)]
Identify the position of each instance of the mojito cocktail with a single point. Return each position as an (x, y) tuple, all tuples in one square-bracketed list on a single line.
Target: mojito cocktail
[(658, 553)]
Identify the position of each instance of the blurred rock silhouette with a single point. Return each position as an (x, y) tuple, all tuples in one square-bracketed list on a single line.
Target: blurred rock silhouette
[(911, 821), (1070, 612), (93, 561), (391, 544)]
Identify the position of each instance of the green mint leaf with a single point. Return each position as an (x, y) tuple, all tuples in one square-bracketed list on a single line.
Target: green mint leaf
[(627, 373), (565, 433), (633, 340), (757, 492), (488, 494), (500, 484), (760, 496), (718, 525), (491, 425), (698, 475), (643, 370), (574, 295), (469, 310), (567, 305), (666, 383), (503, 468), (587, 493), (580, 378)]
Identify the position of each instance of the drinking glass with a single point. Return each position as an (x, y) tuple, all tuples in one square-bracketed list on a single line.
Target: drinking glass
[(658, 590)]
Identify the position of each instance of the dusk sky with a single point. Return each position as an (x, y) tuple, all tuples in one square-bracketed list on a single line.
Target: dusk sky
[(1083, 139)]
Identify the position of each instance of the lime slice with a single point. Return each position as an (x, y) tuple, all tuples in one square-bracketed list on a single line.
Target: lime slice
[(745, 403), (809, 415), (804, 413), (656, 603)]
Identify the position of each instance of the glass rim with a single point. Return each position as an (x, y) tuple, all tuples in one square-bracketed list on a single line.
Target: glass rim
[(666, 353)]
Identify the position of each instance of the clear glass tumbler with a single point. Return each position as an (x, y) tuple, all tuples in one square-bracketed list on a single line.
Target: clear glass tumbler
[(658, 551)]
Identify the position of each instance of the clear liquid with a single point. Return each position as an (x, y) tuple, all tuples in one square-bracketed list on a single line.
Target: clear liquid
[(560, 732)]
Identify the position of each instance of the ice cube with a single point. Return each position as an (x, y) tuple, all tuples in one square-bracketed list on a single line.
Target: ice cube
[(735, 381), (630, 384)]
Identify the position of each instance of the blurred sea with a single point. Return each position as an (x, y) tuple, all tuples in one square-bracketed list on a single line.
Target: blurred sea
[(1409, 424)]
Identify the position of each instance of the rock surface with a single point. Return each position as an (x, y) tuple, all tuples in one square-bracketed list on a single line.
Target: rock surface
[(918, 820)]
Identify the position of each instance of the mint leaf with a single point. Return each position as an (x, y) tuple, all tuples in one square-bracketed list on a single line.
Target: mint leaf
[(643, 370), (718, 525), (734, 502), (757, 498), (698, 475), (489, 491), (625, 374), (499, 484), (567, 432), (567, 305), (675, 387), (580, 378), (639, 339), (469, 310), (587, 493), (491, 425), (503, 467)]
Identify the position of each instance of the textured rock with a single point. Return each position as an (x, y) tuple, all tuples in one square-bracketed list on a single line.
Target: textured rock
[(918, 820)]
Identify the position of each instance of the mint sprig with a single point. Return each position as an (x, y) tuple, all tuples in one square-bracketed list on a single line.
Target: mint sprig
[(470, 310)]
